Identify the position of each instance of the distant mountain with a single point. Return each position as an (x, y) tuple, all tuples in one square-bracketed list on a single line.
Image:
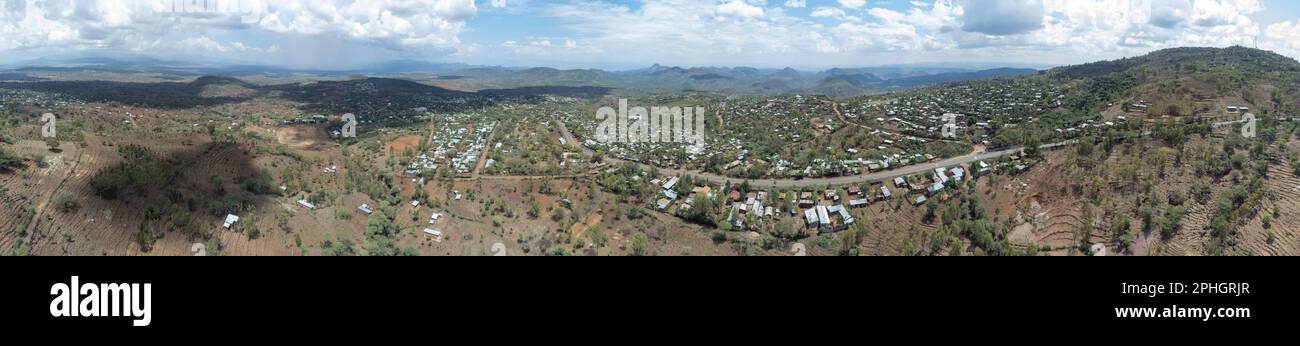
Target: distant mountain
[(854, 82), (751, 80), (1253, 60)]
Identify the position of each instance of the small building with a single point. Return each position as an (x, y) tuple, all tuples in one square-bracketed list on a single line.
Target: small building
[(365, 209), (415, 203), (884, 192), (823, 215), (231, 219), (435, 234), (672, 195), (900, 182), (662, 203), (859, 203), (810, 217), (671, 182), (919, 200), (305, 204), (936, 188), (855, 190)]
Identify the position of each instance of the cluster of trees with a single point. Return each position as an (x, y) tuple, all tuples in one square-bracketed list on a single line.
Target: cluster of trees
[(139, 170), (381, 237), (626, 181)]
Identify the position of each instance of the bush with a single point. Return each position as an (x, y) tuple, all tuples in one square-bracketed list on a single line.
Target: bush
[(64, 202), (640, 244), (1172, 221), (9, 160)]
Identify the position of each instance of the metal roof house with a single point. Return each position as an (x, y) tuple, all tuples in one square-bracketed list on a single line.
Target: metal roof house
[(231, 219)]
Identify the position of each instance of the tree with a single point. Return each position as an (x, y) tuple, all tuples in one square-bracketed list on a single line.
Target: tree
[(9, 160), (53, 144)]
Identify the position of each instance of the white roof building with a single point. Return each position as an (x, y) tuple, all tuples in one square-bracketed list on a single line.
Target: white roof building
[(436, 234), (231, 219), (823, 215)]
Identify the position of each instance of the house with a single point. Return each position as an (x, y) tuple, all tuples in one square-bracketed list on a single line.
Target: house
[(810, 217), (941, 174), (884, 192), (434, 218), (231, 219), (900, 182), (859, 203), (704, 190), (958, 174), (983, 168), (855, 190), (305, 204), (936, 187), (671, 182), (663, 203), (672, 195), (919, 200), (806, 203), (436, 234), (365, 209), (823, 215)]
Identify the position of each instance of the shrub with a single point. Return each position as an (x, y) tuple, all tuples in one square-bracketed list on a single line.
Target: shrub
[(64, 202)]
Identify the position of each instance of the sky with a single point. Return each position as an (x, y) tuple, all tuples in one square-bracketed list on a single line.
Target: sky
[(805, 34)]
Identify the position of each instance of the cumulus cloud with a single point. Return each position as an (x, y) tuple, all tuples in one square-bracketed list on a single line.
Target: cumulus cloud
[(739, 8), (111, 24), (1169, 13), (703, 32), (855, 4), (1003, 17)]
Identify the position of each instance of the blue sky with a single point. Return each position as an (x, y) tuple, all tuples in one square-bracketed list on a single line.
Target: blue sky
[(806, 34)]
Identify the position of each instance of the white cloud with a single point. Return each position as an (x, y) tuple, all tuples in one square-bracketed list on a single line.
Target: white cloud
[(203, 43), (413, 24), (827, 12), (1283, 37), (854, 4), (739, 8), (796, 3)]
